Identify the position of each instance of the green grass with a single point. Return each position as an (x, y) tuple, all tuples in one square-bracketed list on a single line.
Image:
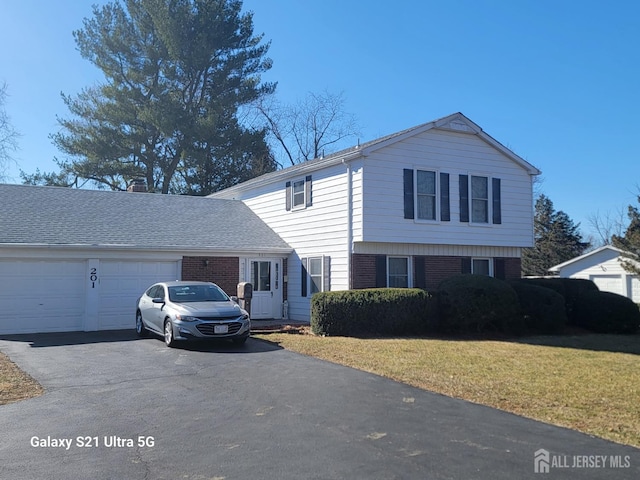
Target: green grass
[(589, 383)]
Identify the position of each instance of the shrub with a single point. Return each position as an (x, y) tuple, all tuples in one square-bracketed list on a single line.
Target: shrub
[(478, 303), (376, 311), (570, 288), (606, 312), (543, 308)]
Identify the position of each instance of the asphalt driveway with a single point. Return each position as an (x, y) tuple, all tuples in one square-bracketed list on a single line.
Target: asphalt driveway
[(123, 408)]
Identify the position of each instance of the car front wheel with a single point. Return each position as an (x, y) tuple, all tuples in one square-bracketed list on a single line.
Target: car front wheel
[(141, 330), (168, 334)]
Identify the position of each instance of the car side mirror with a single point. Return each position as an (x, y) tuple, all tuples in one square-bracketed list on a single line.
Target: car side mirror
[(234, 298), (158, 300)]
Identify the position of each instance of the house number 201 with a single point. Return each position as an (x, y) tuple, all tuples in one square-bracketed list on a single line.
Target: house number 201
[(93, 277)]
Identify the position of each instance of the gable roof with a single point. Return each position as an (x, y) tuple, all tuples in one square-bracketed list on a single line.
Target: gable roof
[(456, 122), (606, 248), (38, 216)]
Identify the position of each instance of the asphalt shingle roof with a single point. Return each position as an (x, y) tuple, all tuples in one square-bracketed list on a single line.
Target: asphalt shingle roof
[(35, 215)]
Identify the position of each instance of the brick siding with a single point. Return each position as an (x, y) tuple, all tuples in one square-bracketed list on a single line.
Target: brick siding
[(436, 269), (224, 271)]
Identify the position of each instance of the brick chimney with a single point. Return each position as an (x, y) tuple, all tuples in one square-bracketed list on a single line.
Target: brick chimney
[(137, 185)]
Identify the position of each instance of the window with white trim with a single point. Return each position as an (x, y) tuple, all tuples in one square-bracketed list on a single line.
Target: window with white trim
[(482, 266), (314, 268), (479, 199), (426, 194), (297, 194), (398, 269)]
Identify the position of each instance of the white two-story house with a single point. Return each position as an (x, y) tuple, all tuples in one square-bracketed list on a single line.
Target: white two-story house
[(406, 210)]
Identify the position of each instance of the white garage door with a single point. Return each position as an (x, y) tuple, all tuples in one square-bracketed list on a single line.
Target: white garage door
[(121, 283), (42, 296), (74, 295), (609, 283), (634, 288)]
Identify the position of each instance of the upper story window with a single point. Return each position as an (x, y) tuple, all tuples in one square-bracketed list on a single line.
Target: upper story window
[(298, 194), (480, 199), (426, 195)]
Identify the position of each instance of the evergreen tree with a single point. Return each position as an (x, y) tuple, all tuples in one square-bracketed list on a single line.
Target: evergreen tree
[(630, 242), (177, 73), (556, 239)]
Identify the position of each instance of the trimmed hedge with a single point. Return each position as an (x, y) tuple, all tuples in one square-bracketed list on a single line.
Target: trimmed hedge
[(570, 288), (478, 303), (606, 312), (375, 311), (543, 308)]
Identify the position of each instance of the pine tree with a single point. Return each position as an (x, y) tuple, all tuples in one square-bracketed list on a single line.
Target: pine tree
[(556, 239), (177, 73)]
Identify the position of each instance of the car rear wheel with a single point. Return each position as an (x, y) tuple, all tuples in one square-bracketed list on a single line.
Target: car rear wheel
[(168, 334), (141, 330)]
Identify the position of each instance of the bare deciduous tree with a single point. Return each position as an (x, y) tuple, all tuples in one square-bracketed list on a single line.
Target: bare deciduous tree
[(606, 225), (310, 128), (8, 136)]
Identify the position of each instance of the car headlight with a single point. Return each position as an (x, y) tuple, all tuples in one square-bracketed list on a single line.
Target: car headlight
[(245, 316), (186, 318)]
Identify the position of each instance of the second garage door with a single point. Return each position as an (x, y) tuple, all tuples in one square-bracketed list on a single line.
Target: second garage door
[(121, 283)]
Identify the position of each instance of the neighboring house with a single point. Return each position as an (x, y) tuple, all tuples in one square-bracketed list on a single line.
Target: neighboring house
[(603, 267), (78, 259), (406, 210)]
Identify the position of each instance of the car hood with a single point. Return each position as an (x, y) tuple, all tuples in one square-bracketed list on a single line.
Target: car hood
[(209, 309)]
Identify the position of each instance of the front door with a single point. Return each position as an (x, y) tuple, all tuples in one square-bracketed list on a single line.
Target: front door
[(264, 275)]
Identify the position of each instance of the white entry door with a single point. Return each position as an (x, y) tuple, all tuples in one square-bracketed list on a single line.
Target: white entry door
[(265, 276)]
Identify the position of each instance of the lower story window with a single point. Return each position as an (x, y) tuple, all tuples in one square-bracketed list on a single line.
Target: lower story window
[(315, 275), (398, 272), (481, 266)]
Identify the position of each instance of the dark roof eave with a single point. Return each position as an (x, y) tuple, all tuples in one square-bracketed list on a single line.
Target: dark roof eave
[(173, 248)]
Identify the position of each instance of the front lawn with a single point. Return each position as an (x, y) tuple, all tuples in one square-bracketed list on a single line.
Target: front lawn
[(589, 383)]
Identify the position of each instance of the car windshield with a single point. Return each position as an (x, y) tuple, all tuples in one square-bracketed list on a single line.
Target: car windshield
[(196, 293)]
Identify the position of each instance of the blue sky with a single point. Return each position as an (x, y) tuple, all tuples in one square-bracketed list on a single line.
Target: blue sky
[(558, 82)]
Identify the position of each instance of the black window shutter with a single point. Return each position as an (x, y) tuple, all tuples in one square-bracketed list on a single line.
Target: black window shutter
[(464, 198), (408, 193), (445, 208), (466, 265), (303, 277), (499, 269), (381, 271), (497, 213), (420, 277), (287, 201), (307, 191)]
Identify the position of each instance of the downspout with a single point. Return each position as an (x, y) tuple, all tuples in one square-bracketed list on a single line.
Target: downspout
[(349, 220)]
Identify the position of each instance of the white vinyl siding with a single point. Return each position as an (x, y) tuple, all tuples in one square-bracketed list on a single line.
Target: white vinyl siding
[(456, 154), (317, 231)]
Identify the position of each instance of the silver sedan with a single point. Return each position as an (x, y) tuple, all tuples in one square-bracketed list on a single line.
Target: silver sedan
[(184, 310)]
